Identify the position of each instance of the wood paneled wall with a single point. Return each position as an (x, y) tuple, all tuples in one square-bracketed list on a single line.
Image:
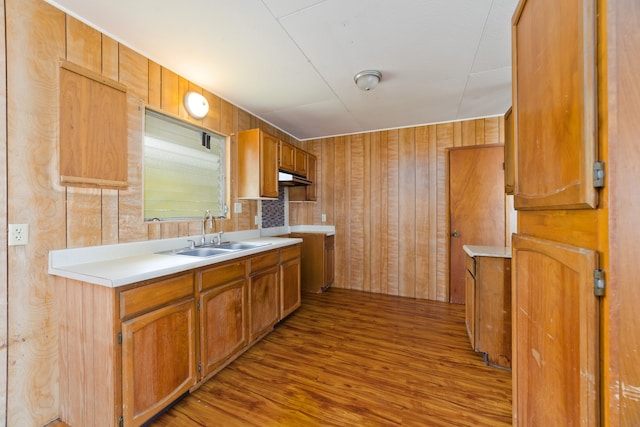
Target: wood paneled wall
[(38, 37), (386, 193)]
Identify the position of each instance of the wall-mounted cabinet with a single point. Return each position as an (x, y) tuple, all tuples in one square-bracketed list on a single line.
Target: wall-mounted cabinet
[(257, 165), (287, 157), (307, 193), (93, 129)]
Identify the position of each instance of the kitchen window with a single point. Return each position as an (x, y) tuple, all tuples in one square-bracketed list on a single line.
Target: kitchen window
[(184, 170)]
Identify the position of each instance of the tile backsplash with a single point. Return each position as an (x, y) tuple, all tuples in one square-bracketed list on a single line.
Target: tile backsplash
[(273, 214)]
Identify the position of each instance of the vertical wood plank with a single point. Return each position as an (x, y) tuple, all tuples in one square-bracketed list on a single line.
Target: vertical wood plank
[(155, 85), (226, 118), (212, 120), (3, 217), (433, 209), (479, 131), (134, 72), (407, 212), (357, 207), (326, 171), (393, 211), (468, 133), (342, 215), (84, 45), (492, 130), (110, 58), (170, 92), (35, 42), (84, 205), (444, 141), (110, 214), (366, 220), (422, 212), (377, 231)]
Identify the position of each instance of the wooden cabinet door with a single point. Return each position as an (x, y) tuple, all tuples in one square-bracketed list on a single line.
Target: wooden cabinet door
[(268, 166), (509, 159), (290, 286), (554, 108), (476, 207), (222, 324), (263, 301), (555, 315), (329, 261), (158, 360), (301, 163), (287, 157), (470, 307)]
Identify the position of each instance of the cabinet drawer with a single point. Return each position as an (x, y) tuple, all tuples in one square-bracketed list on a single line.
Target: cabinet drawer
[(290, 252), (139, 300), (222, 274), (471, 265), (261, 262)]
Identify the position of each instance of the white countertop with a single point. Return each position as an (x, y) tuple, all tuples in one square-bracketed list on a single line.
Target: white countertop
[(122, 264), (490, 251)]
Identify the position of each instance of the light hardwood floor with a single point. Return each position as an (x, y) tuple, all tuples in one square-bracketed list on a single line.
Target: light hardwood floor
[(349, 358)]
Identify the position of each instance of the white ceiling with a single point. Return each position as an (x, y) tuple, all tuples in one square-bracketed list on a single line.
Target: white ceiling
[(292, 62)]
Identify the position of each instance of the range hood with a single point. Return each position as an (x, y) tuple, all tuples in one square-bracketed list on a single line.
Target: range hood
[(291, 180)]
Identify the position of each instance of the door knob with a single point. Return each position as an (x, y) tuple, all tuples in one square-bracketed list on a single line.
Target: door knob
[(455, 234)]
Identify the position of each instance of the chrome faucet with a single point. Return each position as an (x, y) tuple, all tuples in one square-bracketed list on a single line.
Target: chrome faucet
[(207, 214), (217, 237)]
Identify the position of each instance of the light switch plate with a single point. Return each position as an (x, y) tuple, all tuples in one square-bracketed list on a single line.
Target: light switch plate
[(18, 234), (324, 217)]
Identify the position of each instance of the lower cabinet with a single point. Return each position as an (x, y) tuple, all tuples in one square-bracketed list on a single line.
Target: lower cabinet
[(289, 280), (223, 314), (263, 294), (488, 307), (127, 353), (317, 269)]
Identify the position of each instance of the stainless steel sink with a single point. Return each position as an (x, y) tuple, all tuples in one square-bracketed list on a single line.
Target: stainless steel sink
[(214, 250), (203, 252), (240, 245)]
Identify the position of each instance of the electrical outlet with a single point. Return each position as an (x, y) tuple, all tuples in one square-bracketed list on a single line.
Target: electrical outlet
[(18, 234), (256, 220), (237, 207), (324, 217)]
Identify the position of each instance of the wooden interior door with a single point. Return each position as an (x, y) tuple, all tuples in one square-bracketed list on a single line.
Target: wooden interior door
[(476, 207), (555, 314)]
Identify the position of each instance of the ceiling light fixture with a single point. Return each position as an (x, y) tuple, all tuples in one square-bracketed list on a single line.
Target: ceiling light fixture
[(197, 105), (368, 79)]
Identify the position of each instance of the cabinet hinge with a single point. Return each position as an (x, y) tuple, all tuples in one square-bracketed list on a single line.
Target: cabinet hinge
[(598, 174), (198, 305), (121, 421), (199, 367), (119, 337), (598, 282)]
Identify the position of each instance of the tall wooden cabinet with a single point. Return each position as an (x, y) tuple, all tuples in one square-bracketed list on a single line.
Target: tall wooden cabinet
[(561, 227)]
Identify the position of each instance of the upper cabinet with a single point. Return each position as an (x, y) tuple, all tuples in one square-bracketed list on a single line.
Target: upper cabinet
[(554, 106), (287, 157), (93, 129), (292, 159), (257, 165)]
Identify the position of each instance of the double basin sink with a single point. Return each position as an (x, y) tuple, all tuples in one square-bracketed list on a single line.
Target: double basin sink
[(210, 250)]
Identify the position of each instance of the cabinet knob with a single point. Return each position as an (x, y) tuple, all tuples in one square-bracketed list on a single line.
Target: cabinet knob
[(455, 234)]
